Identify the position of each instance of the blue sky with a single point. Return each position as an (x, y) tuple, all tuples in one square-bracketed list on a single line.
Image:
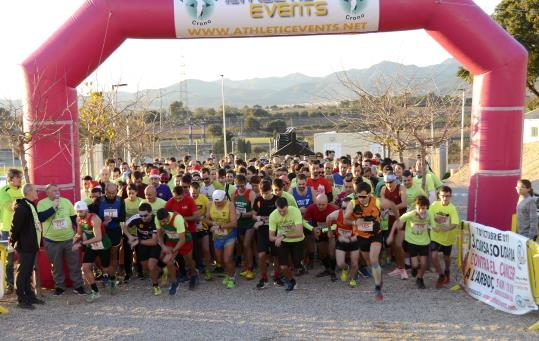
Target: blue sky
[(158, 63)]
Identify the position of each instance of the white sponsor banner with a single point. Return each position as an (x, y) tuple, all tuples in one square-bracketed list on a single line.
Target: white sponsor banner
[(496, 269), (248, 18)]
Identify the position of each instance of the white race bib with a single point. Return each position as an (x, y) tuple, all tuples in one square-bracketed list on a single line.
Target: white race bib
[(59, 224), (443, 219), (345, 233), (172, 235), (420, 228), (111, 212), (365, 226), (97, 246)]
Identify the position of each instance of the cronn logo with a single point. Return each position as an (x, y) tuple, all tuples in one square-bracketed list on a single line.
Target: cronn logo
[(199, 9), (354, 6)]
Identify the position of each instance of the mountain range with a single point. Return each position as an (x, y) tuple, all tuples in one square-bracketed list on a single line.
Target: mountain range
[(299, 89)]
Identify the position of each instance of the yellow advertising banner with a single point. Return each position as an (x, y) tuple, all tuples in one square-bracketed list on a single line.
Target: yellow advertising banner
[(256, 18)]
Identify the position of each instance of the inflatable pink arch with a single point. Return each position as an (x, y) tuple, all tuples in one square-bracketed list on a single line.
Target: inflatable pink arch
[(99, 27)]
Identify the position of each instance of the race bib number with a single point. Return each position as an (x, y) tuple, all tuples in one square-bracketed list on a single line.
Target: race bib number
[(97, 246), (113, 213), (59, 224), (442, 219), (420, 228), (172, 235), (345, 233), (240, 210), (365, 226), (321, 189), (221, 232), (323, 227), (286, 229)]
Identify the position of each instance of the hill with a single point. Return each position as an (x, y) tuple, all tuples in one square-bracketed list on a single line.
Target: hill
[(301, 89)]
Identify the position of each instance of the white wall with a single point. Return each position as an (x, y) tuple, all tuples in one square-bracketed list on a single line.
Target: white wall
[(527, 133), (345, 143)]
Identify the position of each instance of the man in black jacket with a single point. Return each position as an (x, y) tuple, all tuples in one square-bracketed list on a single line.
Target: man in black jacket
[(26, 238)]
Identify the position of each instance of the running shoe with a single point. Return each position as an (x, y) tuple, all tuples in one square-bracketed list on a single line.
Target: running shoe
[(404, 274), (420, 283), (378, 296), (58, 292), (230, 284), (333, 276), (173, 288), (262, 284), (447, 277), (344, 275), (193, 282), (364, 272), (156, 291), (208, 276), (79, 291), (290, 285), (323, 273), (113, 286), (352, 283), (226, 279), (278, 281), (105, 281), (440, 282), (396, 272), (92, 296), (243, 273), (250, 275)]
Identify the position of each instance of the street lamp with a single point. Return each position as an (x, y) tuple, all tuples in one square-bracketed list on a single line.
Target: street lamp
[(224, 114), (462, 128)]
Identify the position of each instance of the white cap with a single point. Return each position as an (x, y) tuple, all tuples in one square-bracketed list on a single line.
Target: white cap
[(81, 206), (218, 195), (390, 177)]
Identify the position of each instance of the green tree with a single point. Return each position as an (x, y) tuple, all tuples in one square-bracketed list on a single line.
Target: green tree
[(178, 111), (215, 130), (251, 124), (521, 19), (276, 126), (218, 146)]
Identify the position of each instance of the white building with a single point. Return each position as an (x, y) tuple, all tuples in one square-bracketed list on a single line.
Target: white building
[(531, 126), (345, 143)]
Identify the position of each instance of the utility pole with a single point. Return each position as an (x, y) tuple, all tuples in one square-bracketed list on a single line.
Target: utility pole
[(224, 114)]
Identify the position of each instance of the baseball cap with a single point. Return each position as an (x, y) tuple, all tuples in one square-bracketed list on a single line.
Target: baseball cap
[(218, 195), (81, 206), (390, 177)]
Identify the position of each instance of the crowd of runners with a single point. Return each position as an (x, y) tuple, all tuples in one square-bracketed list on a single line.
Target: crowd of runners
[(269, 221)]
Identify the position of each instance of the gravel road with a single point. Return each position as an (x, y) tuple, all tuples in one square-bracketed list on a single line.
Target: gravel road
[(318, 309)]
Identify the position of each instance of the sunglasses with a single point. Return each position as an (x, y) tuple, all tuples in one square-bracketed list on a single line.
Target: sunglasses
[(362, 196)]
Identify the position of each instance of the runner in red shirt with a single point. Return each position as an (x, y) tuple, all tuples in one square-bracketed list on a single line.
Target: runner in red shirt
[(317, 214), (186, 206), (318, 183)]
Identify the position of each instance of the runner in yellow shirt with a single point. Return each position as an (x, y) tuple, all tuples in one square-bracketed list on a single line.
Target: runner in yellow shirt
[(444, 233)]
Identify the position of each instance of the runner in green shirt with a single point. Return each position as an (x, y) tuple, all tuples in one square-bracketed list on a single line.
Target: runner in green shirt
[(8, 195), (413, 189), (416, 236), (444, 233), (286, 231)]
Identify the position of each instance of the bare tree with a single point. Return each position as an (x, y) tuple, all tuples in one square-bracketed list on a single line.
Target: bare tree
[(399, 117), (21, 135)]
